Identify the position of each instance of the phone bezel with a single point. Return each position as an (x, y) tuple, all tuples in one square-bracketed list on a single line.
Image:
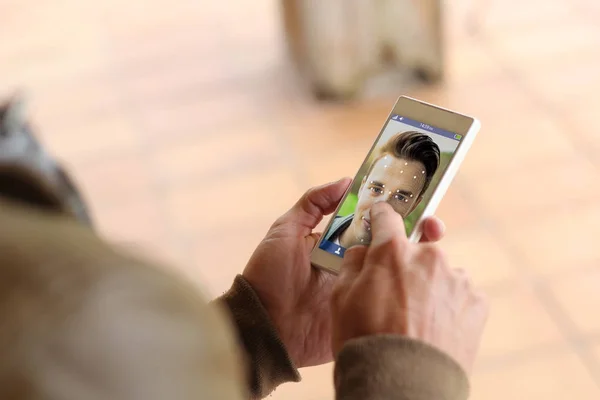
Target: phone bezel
[(428, 114)]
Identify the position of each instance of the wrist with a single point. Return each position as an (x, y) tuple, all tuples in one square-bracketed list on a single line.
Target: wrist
[(278, 314), (269, 363)]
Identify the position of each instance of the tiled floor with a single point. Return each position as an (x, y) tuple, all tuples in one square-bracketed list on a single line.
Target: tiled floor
[(190, 135)]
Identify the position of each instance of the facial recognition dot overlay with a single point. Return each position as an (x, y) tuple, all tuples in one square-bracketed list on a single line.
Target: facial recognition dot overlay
[(403, 170)]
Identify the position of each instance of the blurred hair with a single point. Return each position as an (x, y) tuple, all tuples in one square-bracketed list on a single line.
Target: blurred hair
[(412, 146)]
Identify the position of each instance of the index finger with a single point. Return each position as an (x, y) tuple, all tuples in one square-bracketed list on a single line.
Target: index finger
[(386, 225)]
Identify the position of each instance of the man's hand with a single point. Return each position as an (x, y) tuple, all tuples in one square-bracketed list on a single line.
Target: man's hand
[(396, 287), (296, 295)]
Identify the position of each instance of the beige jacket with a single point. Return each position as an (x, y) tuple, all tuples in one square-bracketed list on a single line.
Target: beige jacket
[(80, 320)]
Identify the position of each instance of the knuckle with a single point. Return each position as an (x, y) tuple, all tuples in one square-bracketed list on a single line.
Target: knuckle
[(480, 297), (353, 253), (336, 295), (390, 254), (312, 195), (431, 254), (461, 275), (278, 222), (309, 193), (391, 243), (480, 301)]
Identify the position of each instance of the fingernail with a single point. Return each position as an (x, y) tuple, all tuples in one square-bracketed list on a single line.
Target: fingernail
[(442, 226)]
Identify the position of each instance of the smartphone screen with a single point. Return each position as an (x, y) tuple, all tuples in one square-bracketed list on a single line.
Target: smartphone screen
[(403, 168)]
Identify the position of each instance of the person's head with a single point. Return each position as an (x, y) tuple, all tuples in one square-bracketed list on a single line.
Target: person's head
[(399, 174), (31, 175)]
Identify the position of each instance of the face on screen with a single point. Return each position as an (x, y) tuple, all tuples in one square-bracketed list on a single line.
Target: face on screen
[(400, 172), (397, 181)]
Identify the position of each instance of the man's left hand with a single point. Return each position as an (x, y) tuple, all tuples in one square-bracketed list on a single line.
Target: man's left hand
[(296, 295)]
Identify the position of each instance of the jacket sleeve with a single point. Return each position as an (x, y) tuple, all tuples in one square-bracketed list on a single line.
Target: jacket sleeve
[(268, 363), (384, 367), (390, 367)]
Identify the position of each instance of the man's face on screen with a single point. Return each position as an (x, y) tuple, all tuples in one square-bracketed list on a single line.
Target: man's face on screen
[(396, 181)]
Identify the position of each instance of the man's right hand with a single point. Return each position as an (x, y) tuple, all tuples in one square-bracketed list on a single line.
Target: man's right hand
[(397, 287)]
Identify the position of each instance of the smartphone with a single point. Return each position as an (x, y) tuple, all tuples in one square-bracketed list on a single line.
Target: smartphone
[(411, 165)]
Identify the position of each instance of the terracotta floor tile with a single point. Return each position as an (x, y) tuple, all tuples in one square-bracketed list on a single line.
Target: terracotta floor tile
[(184, 72), (155, 20), (75, 94), (166, 78), (470, 62), (517, 323), (566, 86), (579, 297), (551, 377), (540, 189), (331, 167), (481, 255), (217, 259), (45, 53), (503, 147), (150, 16), (456, 210), (490, 100), (222, 203), (116, 179), (212, 155), (160, 40), (194, 113), (589, 8), (37, 71), (559, 242), (317, 384), (535, 47), (595, 350), (499, 17), (339, 130), (583, 120), (103, 137)]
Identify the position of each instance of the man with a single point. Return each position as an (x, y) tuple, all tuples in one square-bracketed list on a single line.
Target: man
[(399, 175), (81, 320)]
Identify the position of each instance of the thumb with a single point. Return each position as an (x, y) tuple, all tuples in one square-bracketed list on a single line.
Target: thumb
[(316, 203)]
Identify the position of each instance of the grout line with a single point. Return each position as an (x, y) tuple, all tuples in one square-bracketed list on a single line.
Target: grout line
[(491, 173), (292, 158), (201, 177), (190, 179), (555, 113), (561, 274), (568, 329), (584, 11), (175, 239), (494, 363), (540, 289), (566, 326), (245, 85)]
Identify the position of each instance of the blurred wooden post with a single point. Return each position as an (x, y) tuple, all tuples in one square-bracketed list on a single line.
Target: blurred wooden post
[(338, 44)]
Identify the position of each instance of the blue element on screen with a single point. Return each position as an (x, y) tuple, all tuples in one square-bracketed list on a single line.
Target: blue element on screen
[(332, 248), (429, 128)]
